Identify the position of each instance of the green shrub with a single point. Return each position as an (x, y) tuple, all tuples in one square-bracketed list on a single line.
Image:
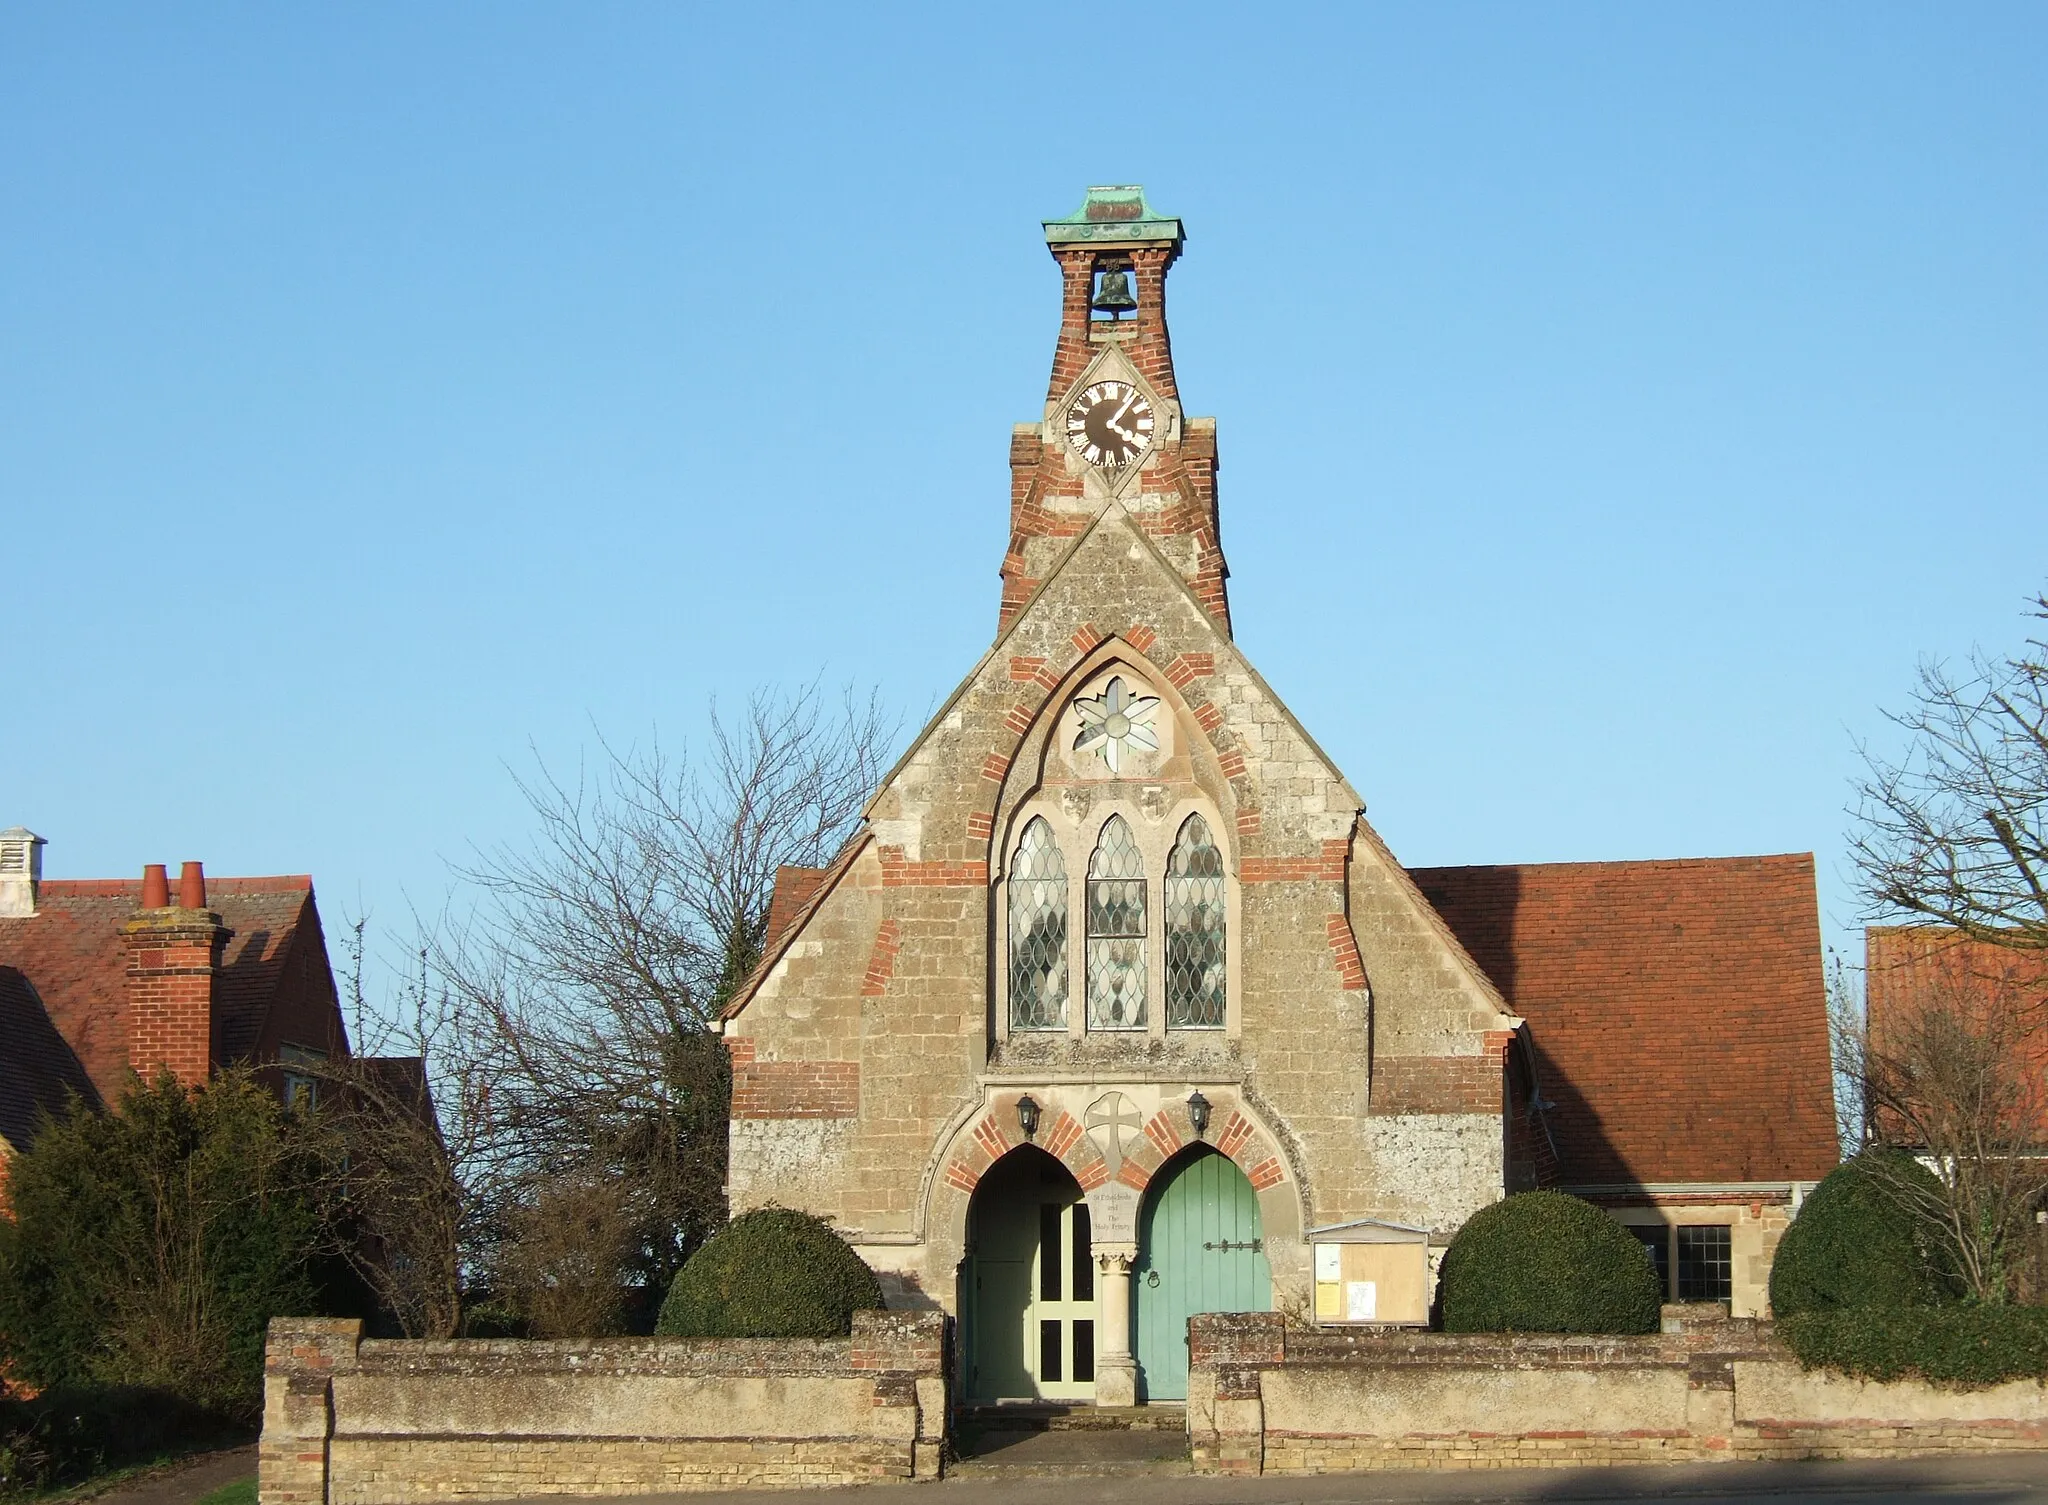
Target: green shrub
[(772, 1273), (151, 1246), (67, 1436), (1854, 1244), (1946, 1345), (1544, 1262)]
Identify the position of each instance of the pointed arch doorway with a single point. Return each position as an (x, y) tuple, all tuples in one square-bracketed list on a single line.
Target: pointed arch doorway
[(1201, 1248), (1028, 1284)]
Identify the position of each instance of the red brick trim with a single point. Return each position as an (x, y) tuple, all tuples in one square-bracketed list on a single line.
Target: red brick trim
[(1033, 671), (994, 767), (1141, 637), (1189, 667), (1164, 1134), (1061, 1137), (1268, 1172), (1232, 763), (1208, 718), (1018, 721), (1247, 824), (1237, 1132), (962, 1175), (1086, 638), (796, 1089), (1326, 868), (882, 961), (992, 1138), (1437, 1084), (980, 826), (898, 872), (1344, 946)]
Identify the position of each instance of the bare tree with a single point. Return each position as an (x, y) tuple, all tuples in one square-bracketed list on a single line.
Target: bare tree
[(1953, 838), (1954, 1079), (398, 1174), (588, 977), (1955, 831)]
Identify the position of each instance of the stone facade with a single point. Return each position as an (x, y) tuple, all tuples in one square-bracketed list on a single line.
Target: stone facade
[(1264, 1399), (349, 1422), (1356, 1068)]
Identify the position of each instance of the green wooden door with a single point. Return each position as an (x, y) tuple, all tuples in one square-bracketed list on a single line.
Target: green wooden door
[(1200, 1249)]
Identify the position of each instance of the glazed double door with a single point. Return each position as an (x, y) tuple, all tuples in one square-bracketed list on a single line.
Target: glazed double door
[(1034, 1315)]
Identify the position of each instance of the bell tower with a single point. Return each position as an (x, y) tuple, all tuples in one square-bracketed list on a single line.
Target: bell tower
[(1113, 433)]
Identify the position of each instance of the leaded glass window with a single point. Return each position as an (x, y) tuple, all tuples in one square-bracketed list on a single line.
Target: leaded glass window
[(1038, 932), (1116, 930), (1194, 930)]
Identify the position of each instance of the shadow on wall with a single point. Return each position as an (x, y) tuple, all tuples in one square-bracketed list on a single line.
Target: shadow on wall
[(1554, 1133)]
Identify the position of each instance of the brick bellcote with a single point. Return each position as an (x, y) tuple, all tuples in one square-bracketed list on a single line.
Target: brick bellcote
[(1115, 234), (174, 946)]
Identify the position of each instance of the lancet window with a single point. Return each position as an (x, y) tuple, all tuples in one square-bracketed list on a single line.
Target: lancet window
[(1116, 930), (1194, 930), (1038, 932)]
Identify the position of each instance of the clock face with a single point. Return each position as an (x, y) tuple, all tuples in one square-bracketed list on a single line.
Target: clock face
[(1110, 424)]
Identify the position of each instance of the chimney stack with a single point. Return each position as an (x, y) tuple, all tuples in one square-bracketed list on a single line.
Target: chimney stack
[(21, 872), (174, 955)]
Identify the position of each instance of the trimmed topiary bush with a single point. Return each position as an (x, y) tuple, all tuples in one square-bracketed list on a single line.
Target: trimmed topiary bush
[(1854, 1245), (772, 1273), (1964, 1346), (1544, 1262)]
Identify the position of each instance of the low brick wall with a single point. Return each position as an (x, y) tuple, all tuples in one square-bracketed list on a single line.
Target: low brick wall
[(1262, 1399), (354, 1422)]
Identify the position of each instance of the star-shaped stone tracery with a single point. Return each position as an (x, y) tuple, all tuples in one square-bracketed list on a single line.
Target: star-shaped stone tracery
[(1116, 721)]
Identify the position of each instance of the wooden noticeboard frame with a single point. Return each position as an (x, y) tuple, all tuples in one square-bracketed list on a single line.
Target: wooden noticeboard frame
[(1370, 1273)]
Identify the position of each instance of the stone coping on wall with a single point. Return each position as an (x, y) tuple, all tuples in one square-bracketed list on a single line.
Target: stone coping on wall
[(355, 1422), (1264, 1398)]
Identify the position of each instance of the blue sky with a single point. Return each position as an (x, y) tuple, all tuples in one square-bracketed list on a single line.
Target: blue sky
[(1615, 401)]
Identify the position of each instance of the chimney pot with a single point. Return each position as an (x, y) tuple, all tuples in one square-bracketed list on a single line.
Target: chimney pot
[(192, 886), (156, 887)]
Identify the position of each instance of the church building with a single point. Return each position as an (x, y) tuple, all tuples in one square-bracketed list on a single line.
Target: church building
[(1115, 1009)]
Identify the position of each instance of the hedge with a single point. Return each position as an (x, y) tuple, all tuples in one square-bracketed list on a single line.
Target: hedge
[(1956, 1345), (772, 1273), (1544, 1262), (67, 1436), (1853, 1244), (149, 1247)]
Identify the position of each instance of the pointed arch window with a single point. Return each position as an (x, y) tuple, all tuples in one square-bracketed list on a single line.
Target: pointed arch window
[(1194, 930), (1038, 931), (1116, 930)]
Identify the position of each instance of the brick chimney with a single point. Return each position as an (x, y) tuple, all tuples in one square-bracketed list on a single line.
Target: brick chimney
[(174, 951)]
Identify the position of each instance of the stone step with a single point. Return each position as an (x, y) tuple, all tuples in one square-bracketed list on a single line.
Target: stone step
[(1040, 1417), (995, 1452)]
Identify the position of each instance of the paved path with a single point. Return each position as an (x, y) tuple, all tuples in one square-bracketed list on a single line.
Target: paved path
[(1999, 1479), (183, 1482)]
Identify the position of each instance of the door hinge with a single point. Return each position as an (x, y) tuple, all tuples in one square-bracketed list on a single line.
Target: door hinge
[(1226, 1245)]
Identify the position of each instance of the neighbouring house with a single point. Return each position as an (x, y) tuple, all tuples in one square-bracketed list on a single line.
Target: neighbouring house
[(103, 977), (1116, 1008)]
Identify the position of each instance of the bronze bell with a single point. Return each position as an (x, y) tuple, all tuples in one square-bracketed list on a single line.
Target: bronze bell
[(1113, 297)]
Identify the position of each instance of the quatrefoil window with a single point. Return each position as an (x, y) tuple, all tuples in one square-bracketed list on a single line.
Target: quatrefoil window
[(1117, 721)]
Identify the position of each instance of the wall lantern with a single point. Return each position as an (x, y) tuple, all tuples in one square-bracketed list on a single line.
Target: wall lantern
[(1198, 1112), (1027, 1115)]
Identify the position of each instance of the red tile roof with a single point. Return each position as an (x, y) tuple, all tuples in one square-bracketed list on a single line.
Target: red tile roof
[(1909, 966), (39, 1073), (71, 951), (1677, 1011)]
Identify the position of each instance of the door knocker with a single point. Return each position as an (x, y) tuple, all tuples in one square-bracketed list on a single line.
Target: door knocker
[(1151, 1277)]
